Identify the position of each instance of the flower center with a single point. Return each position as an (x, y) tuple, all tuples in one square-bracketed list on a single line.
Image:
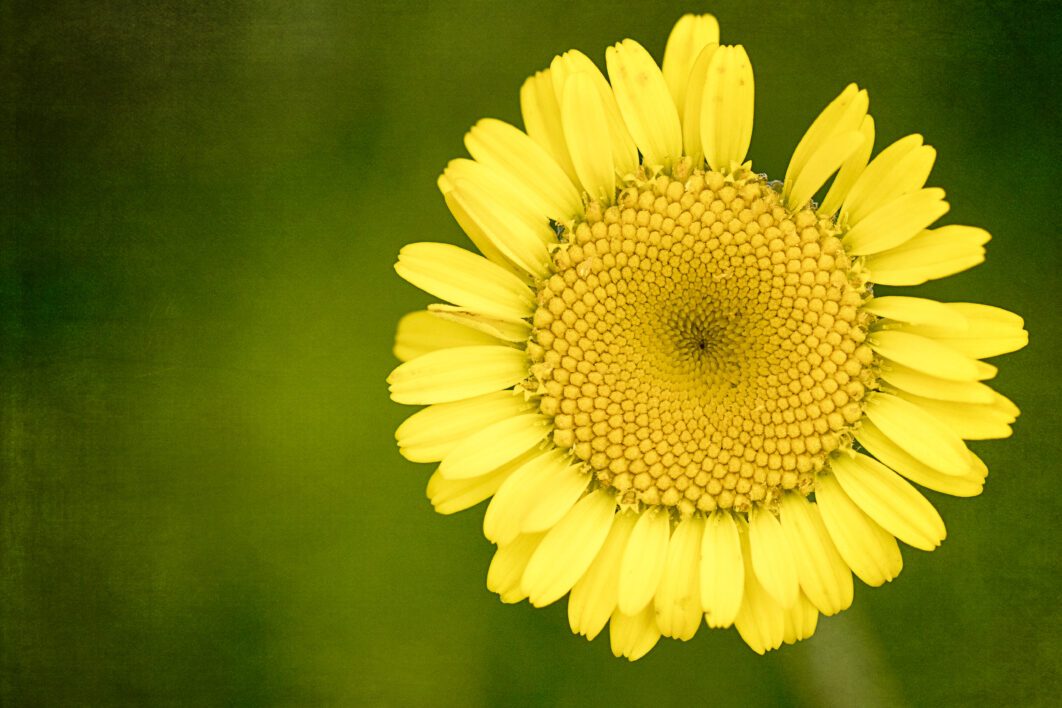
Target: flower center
[(700, 345)]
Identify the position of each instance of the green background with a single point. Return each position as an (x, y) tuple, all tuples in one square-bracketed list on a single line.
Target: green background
[(201, 499)]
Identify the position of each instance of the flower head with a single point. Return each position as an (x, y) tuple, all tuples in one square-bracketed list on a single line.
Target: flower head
[(672, 375)]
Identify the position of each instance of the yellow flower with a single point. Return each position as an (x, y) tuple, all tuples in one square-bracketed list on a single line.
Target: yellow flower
[(671, 375)]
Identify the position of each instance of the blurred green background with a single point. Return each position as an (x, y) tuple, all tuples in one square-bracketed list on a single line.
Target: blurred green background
[(200, 498)]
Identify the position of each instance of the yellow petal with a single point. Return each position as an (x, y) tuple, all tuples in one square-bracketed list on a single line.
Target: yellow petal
[(465, 279), (643, 561), (520, 242), (967, 484), (689, 36), (453, 374), (907, 379), (494, 327), (824, 576), (593, 598), (934, 253), (624, 152), (895, 222), (842, 117), (970, 421), (632, 636), (824, 125), (477, 235), (727, 108), (526, 165), (928, 356), (420, 332), (772, 558), (503, 519), (694, 104), (869, 550), (518, 205), (915, 310), (821, 166), (554, 496), (761, 620), (850, 171), (889, 500), (540, 108), (722, 570), (568, 548), (917, 432), (431, 433), (678, 596), (800, 620), (495, 445), (645, 103), (508, 565), (586, 133), (449, 496), (992, 330), (877, 184)]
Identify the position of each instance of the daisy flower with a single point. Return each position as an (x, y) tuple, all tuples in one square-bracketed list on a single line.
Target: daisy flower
[(670, 375)]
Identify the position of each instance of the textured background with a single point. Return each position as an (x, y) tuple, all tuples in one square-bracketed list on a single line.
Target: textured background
[(200, 501)]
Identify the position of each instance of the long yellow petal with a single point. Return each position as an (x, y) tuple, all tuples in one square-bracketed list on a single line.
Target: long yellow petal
[(850, 171), (678, 596), (494, 445), (800, 620), (690, 35), (968, 483), (644, 102), (431, 433), (476, 234), (832, 137), (869, 550), (970, 421), (928, 356), (722, 570), (453, 374), (727, 108), (541, 112), (889, 500), (991, 331), (587, 136), (772, 558), (421, 332), (761, 620), (593, 598), (508, 565), (624, 152), (495, 327), (896, 222), (917, 432), (643, 561), (934, 253), (525, 164), (824, 577), (449, 496), (908, 379), (874, 182), (568, 548), (632, 636), (694, 105), (465, 279), (494, 187), (916, 310), (520, 242), (503, 519), (822, 164)]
